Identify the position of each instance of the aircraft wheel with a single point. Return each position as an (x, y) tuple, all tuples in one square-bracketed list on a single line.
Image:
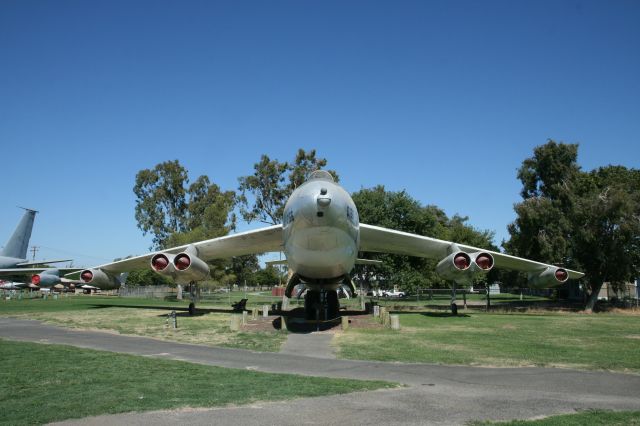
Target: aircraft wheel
[(454, 309), (192, 308), (334, 305), (311, 301)]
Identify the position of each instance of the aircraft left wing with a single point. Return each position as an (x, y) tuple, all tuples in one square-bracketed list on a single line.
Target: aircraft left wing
[(250, 242), (383, 240)]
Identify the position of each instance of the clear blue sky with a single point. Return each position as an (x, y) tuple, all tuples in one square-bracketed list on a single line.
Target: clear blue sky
[(443, 99)]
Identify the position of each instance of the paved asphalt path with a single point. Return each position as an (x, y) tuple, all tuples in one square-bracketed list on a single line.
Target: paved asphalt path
[(315, 345), (434, 394)]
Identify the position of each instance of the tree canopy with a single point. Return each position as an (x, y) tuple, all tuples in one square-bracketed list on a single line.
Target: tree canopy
[(264, 193), (175, 213), (589, 221)]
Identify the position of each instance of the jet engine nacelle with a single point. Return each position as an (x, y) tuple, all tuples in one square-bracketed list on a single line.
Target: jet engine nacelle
[(549, 277), (183, 267), (100, 279), (189, 267), (460, 266), (46, 278), (162, 263)]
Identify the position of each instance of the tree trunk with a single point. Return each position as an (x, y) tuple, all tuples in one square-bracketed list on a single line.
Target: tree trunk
[(593, 297)]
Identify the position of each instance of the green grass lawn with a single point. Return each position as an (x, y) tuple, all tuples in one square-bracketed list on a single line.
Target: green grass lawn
[(592, 418), (596, 341), (440, 298), (45, 383), (143, 317)]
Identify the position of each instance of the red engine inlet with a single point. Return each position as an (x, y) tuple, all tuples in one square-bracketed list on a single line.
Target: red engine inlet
[(35, 279), (562, 275), (86, 276), (462, 261), (182, 261), (484, 261), (159, 262)]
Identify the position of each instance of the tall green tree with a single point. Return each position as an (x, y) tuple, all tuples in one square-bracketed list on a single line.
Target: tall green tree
[(584, 220), (161, 204), (543, 225), (245, 269), (606, 234), (175, 213), (264, 193)]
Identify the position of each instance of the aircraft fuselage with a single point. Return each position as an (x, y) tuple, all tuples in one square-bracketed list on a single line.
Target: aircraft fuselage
[(321, 231), (10, 262)]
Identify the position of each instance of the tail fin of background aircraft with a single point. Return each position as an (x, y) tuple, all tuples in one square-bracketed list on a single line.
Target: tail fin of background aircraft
[(19, 241)]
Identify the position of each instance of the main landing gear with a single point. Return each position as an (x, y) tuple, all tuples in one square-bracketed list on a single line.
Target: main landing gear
[(193, 294), (321, 305)]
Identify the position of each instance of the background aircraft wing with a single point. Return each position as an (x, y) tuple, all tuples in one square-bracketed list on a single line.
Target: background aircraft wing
[(29, 271), (43, 262), (383, 240), (250, 242)]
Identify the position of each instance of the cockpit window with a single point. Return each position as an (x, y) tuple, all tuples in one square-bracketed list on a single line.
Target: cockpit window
[(321, 175)]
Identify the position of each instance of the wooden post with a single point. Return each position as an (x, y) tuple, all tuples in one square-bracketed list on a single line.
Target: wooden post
[(345, 323), (283, 324), (395, 322), (236, 320), (265, 311), (488, 298), (386, 319), (254, 313), (245, 314), (383, 311), (464, 298), (376, 311)]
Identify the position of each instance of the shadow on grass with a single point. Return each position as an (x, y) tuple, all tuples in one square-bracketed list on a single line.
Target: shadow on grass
[(296, 322), (180, 310), (444, 315)]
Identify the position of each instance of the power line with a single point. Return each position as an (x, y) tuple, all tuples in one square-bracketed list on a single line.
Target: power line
[(34, 250)]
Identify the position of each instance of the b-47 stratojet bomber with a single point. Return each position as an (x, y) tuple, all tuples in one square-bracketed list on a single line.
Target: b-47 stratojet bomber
[(13, 257), (321, 236)]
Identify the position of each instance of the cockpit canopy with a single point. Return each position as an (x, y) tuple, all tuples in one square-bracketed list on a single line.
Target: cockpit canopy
[(321, 175)]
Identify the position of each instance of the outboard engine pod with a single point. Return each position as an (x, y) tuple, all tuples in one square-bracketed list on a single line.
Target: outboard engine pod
[(99, 278), (549, 277)]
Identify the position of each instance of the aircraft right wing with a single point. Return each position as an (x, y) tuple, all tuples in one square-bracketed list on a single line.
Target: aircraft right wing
[(261, 240)]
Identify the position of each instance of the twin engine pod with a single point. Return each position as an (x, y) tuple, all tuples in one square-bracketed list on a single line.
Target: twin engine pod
[(549, 277), (184, 267), (460, 266)]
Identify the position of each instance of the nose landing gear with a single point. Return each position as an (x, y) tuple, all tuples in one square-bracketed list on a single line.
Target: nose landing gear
[(321, 305)]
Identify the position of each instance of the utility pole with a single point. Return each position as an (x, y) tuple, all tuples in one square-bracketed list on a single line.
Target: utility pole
[(34, 250)]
